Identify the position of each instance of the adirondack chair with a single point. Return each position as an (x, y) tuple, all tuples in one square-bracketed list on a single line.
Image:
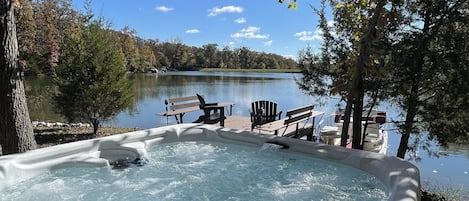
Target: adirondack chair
[(263, 112), (208, 108)]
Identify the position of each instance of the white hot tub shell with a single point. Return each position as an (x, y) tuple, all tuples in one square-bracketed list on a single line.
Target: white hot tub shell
[(401, 178)]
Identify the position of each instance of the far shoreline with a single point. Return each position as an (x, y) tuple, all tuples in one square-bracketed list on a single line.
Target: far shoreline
[(250, 70)]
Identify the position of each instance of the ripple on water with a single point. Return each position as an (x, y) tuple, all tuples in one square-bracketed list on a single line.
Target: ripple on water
[(206, 171)]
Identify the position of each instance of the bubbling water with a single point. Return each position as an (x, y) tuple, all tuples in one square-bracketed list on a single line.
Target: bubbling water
[(206, 171)]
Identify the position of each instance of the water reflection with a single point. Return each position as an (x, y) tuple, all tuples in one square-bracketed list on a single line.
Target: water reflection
[(39, 92), (455, 149)]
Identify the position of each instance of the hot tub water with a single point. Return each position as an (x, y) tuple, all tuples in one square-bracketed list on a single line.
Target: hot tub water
[(206, 171)]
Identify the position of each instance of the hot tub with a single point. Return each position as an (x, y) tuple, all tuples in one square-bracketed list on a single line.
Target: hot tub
[(112, 156)]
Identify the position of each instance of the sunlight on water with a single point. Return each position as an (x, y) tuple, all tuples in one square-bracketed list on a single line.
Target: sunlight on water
[(206, 171)]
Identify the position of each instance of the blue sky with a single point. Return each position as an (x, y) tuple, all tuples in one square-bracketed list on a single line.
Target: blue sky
[(260, 25)]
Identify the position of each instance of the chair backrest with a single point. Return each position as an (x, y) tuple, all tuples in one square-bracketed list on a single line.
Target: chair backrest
[(266, 109), (201, 100)]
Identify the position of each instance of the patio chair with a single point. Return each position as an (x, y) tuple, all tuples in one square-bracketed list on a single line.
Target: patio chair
[(208, 116), (264, 111)]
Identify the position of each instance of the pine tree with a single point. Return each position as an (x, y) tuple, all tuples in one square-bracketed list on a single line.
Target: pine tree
[(91, 78)]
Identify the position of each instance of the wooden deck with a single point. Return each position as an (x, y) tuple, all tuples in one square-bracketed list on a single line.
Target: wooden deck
[(237, 122), (244, 123)]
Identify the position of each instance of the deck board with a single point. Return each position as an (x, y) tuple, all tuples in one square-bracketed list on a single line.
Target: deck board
[(244, 123)]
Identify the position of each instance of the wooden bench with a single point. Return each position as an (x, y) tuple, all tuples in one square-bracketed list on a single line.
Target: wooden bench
[(296, 117), (178, 107)]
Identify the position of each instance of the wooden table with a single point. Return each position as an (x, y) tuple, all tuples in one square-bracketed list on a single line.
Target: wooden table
[(221, 107)]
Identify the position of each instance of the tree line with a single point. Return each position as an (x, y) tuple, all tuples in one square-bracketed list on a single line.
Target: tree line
[(44, 25)]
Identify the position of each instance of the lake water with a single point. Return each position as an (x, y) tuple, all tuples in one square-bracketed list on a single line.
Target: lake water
[(243, 88)]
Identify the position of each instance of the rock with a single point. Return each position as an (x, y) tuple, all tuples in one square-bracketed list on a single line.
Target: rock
[(37, 124)]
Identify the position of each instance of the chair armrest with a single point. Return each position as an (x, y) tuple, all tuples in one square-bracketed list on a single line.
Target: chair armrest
[(211, 104), (279, 114), (252, 115)]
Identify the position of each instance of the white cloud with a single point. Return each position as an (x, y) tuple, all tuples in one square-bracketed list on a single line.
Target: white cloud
[(164, 9), (226, 9), (268, 43), (192, 31), (309, 35), (317, 34), (250, 32), (290, 56), (241, 20)]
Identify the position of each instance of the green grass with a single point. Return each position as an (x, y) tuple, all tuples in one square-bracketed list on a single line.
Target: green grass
[(251, 70)]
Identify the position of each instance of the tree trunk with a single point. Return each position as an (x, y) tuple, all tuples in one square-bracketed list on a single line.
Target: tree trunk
[(412, 103), (357, 88), (375, 100), (16, 132), (357, 120), (411, 112), (95, 123), (346, 124)]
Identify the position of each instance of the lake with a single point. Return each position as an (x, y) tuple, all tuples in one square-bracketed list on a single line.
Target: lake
[(243, 88)]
